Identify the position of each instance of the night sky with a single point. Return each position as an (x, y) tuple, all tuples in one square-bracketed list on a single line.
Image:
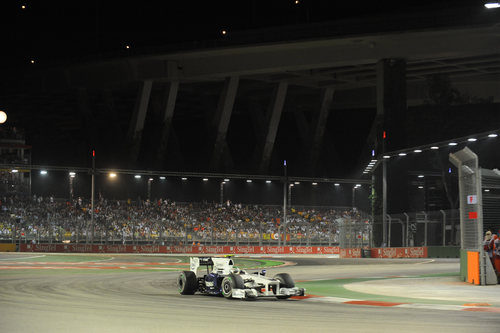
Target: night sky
[(49, 32)]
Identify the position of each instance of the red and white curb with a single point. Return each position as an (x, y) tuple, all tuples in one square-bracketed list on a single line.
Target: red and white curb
[(472, 307)]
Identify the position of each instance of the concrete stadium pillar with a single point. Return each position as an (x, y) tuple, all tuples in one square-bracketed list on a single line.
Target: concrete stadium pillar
[(222, 118), (138, 118), (317, 130), (167, 116), (274, 116)]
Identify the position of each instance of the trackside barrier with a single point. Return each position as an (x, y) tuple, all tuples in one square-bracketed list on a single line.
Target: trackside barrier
[(89, 248), (399, 252), (403, 252), (7, 247)]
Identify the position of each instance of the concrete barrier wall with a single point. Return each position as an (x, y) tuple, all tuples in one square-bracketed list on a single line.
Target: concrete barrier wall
[(7, 247), (443, 251)]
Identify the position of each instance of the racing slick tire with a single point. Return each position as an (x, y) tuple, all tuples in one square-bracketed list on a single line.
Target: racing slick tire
[(286, 281), (231, 282), (187, 283)]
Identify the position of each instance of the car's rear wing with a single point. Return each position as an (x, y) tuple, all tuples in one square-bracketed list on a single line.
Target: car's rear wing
[(218, 265)]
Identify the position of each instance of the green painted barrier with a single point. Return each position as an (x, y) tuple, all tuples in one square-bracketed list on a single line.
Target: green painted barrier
[(443, 251), (463, 265)]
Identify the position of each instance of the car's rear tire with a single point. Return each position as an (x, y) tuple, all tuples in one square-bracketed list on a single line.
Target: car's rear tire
[(286, 281), (187, 283), (229, 283)]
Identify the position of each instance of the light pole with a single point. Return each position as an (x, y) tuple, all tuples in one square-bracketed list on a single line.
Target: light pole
[(285, 182), (92, 195), (150, 180)]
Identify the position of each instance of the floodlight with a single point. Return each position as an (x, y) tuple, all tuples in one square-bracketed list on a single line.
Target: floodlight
[(43, 172), (452, 144), (492, 4), (112, 175), (387, 156), (14, 171), (268, 182), (249, 180), (402, 154), (471, 139), (434, 147), (205, 179), (417, 151), (162, 178), (492, 135), (137, 176), (314, 184)]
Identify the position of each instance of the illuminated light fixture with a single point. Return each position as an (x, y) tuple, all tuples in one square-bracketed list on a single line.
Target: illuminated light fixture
[(402, 154), (365, 172), (297, 2), (43, 172), (224, 32), (291, 185), (249, 180), (162, 178), (297, 183), (471, 139), (417, 151), (492, 135), (420, 187), (268, 182), (386, 156), (434, 147), (421, 176), (24, 6), (373, 152), (137, 176), (336, 184), (184, 178), (226, 180), (127, 47), (452, 144), (205, 179), (150, 179), (486, 190), (14, 171), (32, 61), (373, 161), (492, 4), (314, 184), (72, 174), (112, 175)]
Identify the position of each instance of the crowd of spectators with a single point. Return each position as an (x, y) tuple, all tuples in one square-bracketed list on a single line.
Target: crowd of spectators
[(164, 221)]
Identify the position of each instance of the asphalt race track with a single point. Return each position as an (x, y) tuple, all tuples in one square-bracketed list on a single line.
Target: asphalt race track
[(123, 298)]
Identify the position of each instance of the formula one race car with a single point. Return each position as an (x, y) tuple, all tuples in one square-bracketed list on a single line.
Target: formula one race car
[(222, 278)]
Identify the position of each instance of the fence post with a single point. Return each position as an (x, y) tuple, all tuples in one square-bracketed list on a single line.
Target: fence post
[(444, 226)]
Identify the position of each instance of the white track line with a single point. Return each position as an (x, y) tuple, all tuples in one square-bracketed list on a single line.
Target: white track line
[(425, 262), (82, 262), (22, 258)]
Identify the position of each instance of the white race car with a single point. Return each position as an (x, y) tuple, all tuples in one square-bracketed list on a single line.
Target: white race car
[(222, 278)]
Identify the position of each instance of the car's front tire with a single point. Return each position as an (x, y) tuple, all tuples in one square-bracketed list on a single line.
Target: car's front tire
[(187, 283), (229, 283), (286, 281)]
